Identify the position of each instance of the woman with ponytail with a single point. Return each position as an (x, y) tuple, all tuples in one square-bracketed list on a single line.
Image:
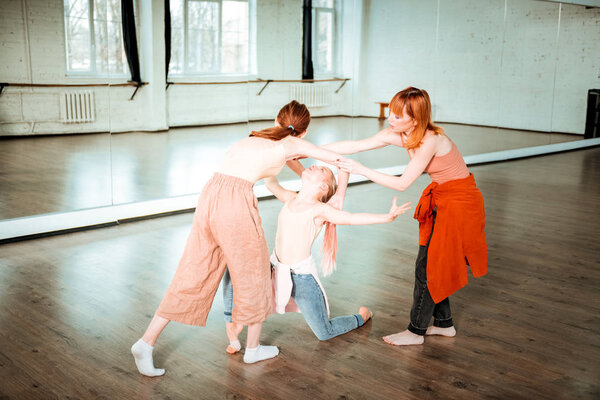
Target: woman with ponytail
[(227, 232), (295, 273)]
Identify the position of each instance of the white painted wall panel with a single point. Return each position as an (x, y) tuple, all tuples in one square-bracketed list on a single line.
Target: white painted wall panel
[(468, 62), (13, 67), (528, 63), (207, 104), (397, 50), (41, 107), (10, 107), (578, 66), (47, 40)]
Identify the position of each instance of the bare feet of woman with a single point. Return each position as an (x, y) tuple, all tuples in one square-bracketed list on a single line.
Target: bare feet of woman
[(365, 314), (233, 331), (404, 338), (436, 330)]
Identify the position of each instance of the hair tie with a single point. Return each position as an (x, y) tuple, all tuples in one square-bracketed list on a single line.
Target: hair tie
[(291, 126)]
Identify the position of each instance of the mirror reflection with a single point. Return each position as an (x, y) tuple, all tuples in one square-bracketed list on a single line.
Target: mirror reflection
[(101, 108)]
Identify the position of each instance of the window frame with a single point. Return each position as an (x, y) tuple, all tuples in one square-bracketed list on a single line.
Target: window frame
[(93, 71), (335, 10), (211, 75)]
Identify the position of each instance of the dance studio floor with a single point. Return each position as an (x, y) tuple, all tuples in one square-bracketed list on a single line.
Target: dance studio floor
[(41, 175), (72, 305)]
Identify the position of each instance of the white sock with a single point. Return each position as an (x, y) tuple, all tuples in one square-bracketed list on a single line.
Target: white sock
[(260, 353), (236, 345), (142, 353)]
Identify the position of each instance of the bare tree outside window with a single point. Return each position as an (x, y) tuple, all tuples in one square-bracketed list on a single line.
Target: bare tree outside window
[(94, 38), (210, 37), (324, 36)]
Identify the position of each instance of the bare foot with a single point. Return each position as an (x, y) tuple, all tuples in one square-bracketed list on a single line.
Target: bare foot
[(404, 338), (233, 330), (365, 314), (436, 330)]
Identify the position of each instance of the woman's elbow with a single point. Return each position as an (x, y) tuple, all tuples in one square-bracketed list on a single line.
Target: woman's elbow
[(400, 186)]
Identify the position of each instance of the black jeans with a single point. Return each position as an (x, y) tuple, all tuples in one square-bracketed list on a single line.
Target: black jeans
[(423, 307)]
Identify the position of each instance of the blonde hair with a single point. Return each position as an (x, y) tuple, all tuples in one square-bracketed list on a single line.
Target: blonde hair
[(418, 106), (329, 249)]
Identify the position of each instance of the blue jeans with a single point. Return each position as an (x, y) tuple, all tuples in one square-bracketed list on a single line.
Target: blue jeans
[(308, 296), (227, 288)]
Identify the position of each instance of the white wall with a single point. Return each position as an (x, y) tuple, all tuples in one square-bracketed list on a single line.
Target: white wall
[(33, 51), (37, 111), (523, 64)]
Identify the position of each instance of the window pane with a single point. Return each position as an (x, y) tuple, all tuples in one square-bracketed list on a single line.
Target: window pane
[(117, 60), (324, 41), (234, 39), (113, 11), (322, 3), (77, 27), (177, 38), (176, 64), (101, 36), (203, 22), (108, 31)]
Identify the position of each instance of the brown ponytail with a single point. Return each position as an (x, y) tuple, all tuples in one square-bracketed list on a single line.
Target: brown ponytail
[(293, 119)]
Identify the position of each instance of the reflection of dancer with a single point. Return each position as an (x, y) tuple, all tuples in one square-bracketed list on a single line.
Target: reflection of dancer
[(227, 231), (299, 223), (452, 204)]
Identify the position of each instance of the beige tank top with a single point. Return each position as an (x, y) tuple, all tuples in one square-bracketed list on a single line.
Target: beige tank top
[(296, 232), (253, 159)]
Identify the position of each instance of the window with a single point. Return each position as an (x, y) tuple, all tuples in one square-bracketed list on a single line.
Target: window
[(323, 35), (94, 38), (210, 37)]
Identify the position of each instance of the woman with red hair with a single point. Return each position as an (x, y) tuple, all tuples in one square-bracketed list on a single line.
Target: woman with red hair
[(450, 212)]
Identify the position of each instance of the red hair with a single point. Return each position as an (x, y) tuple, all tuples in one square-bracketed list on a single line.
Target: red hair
[(293, 119), (418, 106), (329, 249)]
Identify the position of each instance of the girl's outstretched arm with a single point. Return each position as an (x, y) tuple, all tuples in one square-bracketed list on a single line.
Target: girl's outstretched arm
[(339, 217), (337, 200), (296, 166), (279, 191)]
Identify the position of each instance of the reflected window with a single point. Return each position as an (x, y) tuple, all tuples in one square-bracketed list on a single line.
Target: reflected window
[(211, 37), (94, 38), (324, 36)]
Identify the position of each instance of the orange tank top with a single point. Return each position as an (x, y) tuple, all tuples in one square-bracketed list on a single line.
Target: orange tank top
[(448, 167)]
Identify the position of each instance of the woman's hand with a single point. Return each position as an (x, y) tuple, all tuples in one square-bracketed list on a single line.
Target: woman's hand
[(397, 210), (350, 166)]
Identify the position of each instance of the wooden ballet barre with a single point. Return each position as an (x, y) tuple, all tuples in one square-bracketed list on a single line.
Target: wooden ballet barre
[(48, 85), (266, 82), (343, 80)]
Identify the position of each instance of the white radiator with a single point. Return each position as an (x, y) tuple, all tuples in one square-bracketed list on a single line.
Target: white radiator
[(78, 107), (311, 94)]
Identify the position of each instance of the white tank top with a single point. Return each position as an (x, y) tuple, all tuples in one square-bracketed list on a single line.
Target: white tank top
[(296, 233), (254, 158)]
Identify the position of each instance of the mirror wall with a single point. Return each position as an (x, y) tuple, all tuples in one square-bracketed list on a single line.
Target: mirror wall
[(502, 74)]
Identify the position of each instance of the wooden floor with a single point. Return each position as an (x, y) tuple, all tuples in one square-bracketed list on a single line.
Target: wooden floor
[(72, 305)]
